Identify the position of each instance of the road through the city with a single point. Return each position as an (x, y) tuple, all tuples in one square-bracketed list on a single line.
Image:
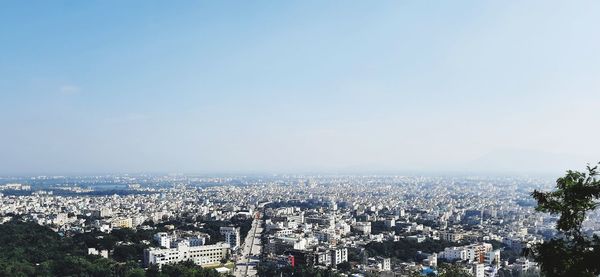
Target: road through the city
[(250, 253)]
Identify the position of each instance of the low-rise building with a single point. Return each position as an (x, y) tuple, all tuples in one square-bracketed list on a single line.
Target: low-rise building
[(200, 255)]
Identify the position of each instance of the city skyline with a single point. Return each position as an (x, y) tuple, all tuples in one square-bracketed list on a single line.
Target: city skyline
[(242, 87)]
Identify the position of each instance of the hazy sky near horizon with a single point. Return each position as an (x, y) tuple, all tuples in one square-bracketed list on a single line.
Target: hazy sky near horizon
[(282, 86)]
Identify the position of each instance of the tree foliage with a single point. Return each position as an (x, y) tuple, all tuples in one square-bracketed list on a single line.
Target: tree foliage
[(300, 271), (453, 270), (344, 267), (572, 253), (29, 249)]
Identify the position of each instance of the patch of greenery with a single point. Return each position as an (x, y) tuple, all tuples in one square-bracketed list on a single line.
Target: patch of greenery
[(300, 271), (572, 253), (29, 249)]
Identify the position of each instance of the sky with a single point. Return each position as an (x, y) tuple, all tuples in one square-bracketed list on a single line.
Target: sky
[(298, 86)]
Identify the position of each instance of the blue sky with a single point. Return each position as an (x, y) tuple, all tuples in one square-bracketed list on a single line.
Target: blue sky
[(287, 86)]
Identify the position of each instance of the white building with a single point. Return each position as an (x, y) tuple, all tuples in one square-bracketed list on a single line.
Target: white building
[(492, 257), (342, 228), (432, 260), (94, 251), (232, 236), (478, 252), (200, 255), (478, 270), (163, 239), (454, 253), (338, 255), (283, 232), (384, 264)]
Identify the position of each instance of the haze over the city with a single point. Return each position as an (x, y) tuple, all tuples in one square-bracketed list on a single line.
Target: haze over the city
[(387, 86)]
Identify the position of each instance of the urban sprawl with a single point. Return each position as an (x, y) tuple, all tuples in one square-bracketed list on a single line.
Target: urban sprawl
[(350, 225)]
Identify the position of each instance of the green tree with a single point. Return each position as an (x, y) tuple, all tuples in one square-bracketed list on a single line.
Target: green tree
[(572, 253), (137, 272), (344, 267), (452, 270)]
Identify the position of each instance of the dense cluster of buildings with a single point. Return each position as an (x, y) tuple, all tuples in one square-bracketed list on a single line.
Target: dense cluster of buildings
[(321, 221), (15, 186)]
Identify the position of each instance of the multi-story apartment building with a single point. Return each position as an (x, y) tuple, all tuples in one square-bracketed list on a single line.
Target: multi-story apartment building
[(478, 252), (477, 269), (122, 223), (454, 253), (338, 255), (163, 239), (232, 236), (492, 257)]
